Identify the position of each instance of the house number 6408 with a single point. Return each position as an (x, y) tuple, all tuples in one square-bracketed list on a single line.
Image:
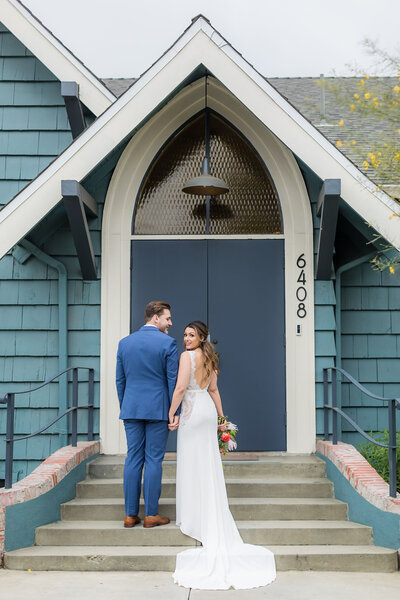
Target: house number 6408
[(301, 292)]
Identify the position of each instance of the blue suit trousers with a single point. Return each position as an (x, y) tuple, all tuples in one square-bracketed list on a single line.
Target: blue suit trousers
[(146, 442)]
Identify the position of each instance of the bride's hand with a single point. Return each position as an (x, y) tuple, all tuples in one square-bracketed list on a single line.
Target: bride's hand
[(173, 422)]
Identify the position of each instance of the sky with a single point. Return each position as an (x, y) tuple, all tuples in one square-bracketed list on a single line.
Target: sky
[(281, 38)]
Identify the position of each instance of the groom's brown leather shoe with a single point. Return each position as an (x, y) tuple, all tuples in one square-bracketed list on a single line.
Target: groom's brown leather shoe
[(154, 521), (131, 521)]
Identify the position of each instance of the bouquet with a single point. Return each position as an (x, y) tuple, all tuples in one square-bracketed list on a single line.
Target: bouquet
[(226, 436)]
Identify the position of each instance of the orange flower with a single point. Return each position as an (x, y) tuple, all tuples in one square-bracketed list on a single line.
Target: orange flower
[(338, 143)]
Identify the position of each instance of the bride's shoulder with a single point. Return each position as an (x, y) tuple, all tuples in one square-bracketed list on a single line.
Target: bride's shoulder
[(185, 356)]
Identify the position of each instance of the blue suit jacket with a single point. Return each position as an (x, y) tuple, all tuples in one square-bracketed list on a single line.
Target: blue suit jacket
[(147, 367)]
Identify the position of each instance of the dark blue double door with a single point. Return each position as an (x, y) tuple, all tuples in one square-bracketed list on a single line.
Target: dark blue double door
[(237, 288)]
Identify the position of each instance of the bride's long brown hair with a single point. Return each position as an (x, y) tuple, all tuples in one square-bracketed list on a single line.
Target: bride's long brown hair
[(211, 359)]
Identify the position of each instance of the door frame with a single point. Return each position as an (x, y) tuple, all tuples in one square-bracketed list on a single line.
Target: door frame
[(298, 234)]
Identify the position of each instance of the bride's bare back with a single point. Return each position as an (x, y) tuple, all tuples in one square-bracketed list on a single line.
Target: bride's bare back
[(200, 373)]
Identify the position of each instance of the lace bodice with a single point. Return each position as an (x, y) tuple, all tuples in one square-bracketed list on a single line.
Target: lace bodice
[(193, 385)]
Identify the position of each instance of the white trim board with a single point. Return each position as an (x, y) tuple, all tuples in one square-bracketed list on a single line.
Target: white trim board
[(200, 44), (52, 53)]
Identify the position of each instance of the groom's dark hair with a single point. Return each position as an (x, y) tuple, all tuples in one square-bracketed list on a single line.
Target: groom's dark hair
[(155, 307)]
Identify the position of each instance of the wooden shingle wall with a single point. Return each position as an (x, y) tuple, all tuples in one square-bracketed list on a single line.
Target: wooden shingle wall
[(29, 341), (34, 129), (34, 126), (370, 345)]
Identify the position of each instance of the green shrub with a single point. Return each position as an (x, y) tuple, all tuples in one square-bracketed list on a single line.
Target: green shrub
[(378, 457)]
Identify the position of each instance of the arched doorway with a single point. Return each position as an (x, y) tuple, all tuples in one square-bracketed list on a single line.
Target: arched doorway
[(232, 279), (131, 174)]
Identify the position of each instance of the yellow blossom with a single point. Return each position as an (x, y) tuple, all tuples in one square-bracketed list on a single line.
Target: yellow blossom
[(353, 143), (352, 107), (398, 131), (338, 143), (391, 270), (356, 96), (367, 95), (396, 89), (362, 81), (367, 77), (341, 122)]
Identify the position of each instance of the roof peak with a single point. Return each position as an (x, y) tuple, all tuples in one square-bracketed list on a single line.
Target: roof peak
[(200, 16)]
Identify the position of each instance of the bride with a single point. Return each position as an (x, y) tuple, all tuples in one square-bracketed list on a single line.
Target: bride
[(202, 509)]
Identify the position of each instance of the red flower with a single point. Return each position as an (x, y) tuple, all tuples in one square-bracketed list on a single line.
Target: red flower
[(225, 437)]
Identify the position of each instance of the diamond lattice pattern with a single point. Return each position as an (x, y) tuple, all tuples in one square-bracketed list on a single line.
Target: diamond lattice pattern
[(251, 206)]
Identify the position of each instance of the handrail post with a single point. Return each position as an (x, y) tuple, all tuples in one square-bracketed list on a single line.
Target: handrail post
[(74, 415), (392, 449), (9, 441), (334, 405), (326, 414), (91, 405)]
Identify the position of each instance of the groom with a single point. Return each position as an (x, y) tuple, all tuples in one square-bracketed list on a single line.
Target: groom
[(147, 367)]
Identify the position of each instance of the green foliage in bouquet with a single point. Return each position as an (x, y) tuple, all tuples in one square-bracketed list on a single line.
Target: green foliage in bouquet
[(227, 443)]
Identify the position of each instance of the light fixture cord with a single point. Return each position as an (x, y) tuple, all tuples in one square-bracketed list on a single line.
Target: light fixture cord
[(207, 125)]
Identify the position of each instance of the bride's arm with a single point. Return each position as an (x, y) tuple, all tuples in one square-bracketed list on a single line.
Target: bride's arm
[(214, 393), (181, 385)]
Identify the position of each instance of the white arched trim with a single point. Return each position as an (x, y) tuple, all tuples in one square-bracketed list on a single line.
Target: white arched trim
[(298, 234)]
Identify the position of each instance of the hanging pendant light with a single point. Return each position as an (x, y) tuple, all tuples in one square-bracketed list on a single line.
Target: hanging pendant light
[(206, 184)]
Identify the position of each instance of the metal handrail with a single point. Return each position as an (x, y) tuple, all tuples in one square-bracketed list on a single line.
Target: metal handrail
[(3, 399), (9, 399), (393, 404)]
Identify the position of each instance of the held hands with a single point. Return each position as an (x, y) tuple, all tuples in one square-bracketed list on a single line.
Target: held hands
[(173, 422)]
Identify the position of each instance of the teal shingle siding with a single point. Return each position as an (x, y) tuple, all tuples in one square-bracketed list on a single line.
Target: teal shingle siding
[(28, 294), (370, 345), (34, 127)]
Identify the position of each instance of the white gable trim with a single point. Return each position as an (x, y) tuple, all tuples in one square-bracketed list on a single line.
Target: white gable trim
[(200, 44), (52, 53)]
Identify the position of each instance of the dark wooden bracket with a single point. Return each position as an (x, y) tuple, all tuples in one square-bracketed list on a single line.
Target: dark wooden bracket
[(327, 209), (76, 118), (78, 205)]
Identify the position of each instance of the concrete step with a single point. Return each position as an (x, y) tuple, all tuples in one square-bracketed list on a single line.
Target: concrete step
[(262, 487), (107, 467), (162, 558), (113, 533), (254, 509)]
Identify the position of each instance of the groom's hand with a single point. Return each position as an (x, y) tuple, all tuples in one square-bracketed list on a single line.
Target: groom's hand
[(173, 422)]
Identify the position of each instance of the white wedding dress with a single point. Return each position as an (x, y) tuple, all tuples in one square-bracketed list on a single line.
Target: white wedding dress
[(202, 509)]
